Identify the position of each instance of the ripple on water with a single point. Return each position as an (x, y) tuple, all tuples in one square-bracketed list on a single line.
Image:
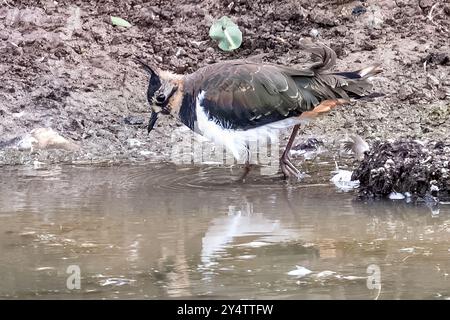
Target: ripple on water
[(243, 242), (180, 178)]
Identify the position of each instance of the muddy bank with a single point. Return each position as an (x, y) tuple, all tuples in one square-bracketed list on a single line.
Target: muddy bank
[(64, 66), (407, 169)]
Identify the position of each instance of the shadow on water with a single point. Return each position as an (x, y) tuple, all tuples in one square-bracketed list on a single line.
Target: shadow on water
[(160, 231)]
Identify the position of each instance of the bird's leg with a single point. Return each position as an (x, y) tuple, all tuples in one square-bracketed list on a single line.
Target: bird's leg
[(247, 167), (325, 106), (287, 167)]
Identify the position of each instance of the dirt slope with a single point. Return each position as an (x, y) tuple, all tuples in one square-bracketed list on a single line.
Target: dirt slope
[(63, 65)]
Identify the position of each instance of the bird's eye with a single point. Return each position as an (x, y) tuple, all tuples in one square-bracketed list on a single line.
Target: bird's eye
[(160, 98)]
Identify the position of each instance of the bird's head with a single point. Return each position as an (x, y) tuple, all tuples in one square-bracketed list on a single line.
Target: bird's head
[(164, 93)]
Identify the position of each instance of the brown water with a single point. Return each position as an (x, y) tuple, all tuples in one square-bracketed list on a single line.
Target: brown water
[(158, 231)]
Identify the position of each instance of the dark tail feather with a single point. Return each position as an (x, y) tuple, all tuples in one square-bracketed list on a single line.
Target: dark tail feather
[(358, 82), (340, 84), (326, 55), (364, 73)]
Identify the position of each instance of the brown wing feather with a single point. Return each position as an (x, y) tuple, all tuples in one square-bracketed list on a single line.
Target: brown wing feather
[(243, 95)]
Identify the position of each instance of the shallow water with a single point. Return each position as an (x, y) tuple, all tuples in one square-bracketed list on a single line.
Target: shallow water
[(160, 231)]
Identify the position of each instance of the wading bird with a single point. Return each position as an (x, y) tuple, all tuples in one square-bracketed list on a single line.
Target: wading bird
[(236, 101)]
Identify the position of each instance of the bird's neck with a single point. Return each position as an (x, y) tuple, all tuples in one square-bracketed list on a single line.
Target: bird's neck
[(187, 113), (176, 99)]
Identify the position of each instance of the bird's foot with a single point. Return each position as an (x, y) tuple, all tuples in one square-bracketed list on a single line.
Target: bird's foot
[(289, 170), (247, 169)]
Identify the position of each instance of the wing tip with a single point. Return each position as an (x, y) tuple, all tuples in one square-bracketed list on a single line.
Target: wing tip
[(370, 71)]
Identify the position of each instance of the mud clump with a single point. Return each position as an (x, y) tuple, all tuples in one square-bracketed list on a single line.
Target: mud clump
[(405, 166), (437, 59)]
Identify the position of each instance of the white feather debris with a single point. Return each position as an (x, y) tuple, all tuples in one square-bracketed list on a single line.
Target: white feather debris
[(357, 145), (434, 188), (314, 33), (145, 153), (325, 274), (197, 43), (39, 165), (134, 142), (351, 278), (45, 138), (343, 180), (299, 272), (396, 196), (27, 143)]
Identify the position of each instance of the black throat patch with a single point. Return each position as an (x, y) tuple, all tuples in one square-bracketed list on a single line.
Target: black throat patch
[(154, 84), (187, 110)]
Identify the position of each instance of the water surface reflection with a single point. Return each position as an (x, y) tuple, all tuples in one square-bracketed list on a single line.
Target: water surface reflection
[(158, 231)]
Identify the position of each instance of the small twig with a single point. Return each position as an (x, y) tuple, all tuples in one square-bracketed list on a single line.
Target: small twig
[(425, 66), (430, 17), (430, 14)]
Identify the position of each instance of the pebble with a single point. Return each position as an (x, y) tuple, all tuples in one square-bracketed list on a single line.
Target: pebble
[(134, 142), (314, 33), (133, 120), (358, 10)]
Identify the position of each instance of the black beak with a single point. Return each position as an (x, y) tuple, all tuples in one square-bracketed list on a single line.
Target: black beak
[(151, 123)]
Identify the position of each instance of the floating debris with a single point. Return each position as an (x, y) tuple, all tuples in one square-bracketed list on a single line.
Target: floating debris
[(352, 278), (299, 272), (343, 180), (45, 269), (325, 274), (246, 257), (116, 282)]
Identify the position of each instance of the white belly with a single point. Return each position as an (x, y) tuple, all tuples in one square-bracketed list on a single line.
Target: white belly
[(236, 141)]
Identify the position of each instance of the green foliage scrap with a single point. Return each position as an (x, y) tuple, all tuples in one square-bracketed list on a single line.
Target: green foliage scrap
[(227, 33), (116, 21)]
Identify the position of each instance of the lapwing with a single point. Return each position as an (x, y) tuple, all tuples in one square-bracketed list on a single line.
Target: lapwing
[(236, 101)]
